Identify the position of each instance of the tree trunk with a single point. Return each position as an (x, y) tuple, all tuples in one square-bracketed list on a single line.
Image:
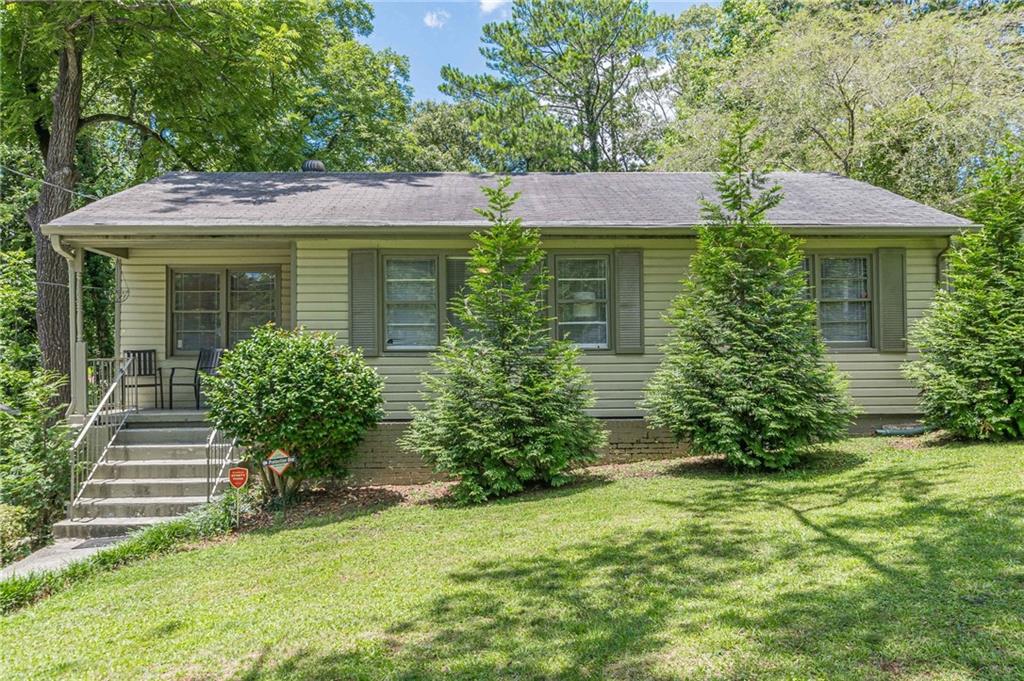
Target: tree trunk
[(594, 153), (55, 201)]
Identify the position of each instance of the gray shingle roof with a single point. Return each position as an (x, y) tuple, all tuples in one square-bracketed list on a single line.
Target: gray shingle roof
[(447, 199)]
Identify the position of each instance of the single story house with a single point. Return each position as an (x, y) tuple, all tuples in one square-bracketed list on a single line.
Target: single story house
[(373, 258)]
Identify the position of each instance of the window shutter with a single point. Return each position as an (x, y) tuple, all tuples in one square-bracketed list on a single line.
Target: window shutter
[(629, 302), (892, 299), (363, 302)]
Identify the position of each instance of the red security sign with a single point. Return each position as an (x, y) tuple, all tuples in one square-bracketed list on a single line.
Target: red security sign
[(237, 477)]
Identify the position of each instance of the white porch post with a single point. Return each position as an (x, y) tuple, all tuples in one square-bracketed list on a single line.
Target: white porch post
[(79, 402)]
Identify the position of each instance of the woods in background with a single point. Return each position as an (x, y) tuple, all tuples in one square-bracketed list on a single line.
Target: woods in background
[(99, 96)]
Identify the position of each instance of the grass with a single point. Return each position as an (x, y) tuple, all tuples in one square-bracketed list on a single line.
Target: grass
[(871, 562), (206, 522)]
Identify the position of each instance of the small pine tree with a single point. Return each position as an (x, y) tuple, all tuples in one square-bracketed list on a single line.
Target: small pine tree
[(744, 372), (507, 405), (971, 366)]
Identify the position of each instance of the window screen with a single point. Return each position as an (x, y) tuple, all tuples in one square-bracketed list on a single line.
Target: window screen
[(581, 287), (410, 303), (252, 302), (844, 305), (196, 311)]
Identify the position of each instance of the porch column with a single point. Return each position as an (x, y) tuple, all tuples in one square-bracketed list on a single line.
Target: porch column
[(76, 324)]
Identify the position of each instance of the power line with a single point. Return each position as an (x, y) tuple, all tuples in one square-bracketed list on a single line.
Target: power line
[(49, 184)]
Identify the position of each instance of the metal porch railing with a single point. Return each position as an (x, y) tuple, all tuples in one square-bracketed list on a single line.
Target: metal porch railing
[(220, 452), (105, 421)]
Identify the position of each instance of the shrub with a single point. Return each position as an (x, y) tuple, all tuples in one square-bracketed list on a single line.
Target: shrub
[(18, 346), (14, 534), (298, 391), (506, 407), (33, 447), (205, 522), (744, 372), (971, 366)]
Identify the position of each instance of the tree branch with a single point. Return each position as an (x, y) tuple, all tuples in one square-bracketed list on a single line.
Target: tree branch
[(142, 128)]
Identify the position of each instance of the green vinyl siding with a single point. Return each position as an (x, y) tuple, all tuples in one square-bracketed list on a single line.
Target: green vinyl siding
[(876, 384), (319, 291)]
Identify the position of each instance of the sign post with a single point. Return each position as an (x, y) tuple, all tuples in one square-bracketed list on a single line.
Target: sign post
[(237, 477)]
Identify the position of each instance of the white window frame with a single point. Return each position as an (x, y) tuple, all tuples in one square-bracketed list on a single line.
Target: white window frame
[(607, 301), (438, 302), (815, 283), (223, 310)]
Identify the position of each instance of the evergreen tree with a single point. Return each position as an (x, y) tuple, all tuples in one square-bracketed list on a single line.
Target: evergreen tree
[(506, 406), (971, 367), (744, 372)]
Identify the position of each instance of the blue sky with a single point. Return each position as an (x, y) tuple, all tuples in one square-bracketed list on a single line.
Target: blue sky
[(432, 34)]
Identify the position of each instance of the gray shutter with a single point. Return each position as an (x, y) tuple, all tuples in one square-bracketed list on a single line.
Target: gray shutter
[(629, 302), (892, 299), (456, 276), (363, 302)]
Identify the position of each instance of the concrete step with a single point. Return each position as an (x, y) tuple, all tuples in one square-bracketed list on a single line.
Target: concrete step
[(152, 468), (146, 487), (166, 418), (88, 528), (134, 507), (150, 452), (192, 435)]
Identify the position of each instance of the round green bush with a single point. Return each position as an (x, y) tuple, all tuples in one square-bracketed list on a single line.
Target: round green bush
[(299, 391)]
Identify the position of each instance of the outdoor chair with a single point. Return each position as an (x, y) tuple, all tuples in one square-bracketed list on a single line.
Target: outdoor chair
[(143, 366), (206, 365)]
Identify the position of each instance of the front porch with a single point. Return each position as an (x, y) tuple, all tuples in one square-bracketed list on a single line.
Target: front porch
[(175, 298)]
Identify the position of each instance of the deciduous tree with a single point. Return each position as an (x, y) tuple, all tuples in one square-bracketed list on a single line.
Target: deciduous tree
[(213, 86)]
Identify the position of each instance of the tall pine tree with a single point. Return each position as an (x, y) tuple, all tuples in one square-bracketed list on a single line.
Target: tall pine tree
[(745, 372), (506, 407), (971, 368)]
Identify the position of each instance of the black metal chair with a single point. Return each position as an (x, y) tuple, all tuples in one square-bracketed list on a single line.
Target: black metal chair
[(143, 365), (206, 364)]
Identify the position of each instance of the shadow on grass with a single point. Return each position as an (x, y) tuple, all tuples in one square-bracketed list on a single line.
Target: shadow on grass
[(872, 574), (320, 508)]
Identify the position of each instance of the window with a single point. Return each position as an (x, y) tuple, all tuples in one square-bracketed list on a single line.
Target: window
[(206, 315), (197, 311), (581, 293), (252, 302), (410, 303), (842, 287)]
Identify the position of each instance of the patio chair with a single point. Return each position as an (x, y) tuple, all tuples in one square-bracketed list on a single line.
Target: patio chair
[(206, 364), (143, 365)]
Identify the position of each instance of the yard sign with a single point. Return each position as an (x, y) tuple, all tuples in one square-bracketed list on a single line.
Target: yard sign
[(238, 476), (279, 461)]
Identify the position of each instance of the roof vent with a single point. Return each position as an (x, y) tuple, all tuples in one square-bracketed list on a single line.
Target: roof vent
[(313, 166)]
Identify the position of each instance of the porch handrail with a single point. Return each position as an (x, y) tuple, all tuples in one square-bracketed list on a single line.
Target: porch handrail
[(94, 439), (219, 452)]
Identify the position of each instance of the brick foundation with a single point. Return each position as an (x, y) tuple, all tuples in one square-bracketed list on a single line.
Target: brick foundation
[(380, 461)]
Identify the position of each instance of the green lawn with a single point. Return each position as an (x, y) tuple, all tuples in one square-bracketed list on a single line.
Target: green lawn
[(871, 562)]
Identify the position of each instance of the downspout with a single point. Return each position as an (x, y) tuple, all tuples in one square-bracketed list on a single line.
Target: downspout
[(76, 328)]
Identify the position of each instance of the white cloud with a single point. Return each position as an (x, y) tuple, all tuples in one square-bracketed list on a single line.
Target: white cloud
[(488, 6), (436, 19)]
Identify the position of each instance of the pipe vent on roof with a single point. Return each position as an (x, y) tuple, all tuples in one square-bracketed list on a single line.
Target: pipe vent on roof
[(313, 166)]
